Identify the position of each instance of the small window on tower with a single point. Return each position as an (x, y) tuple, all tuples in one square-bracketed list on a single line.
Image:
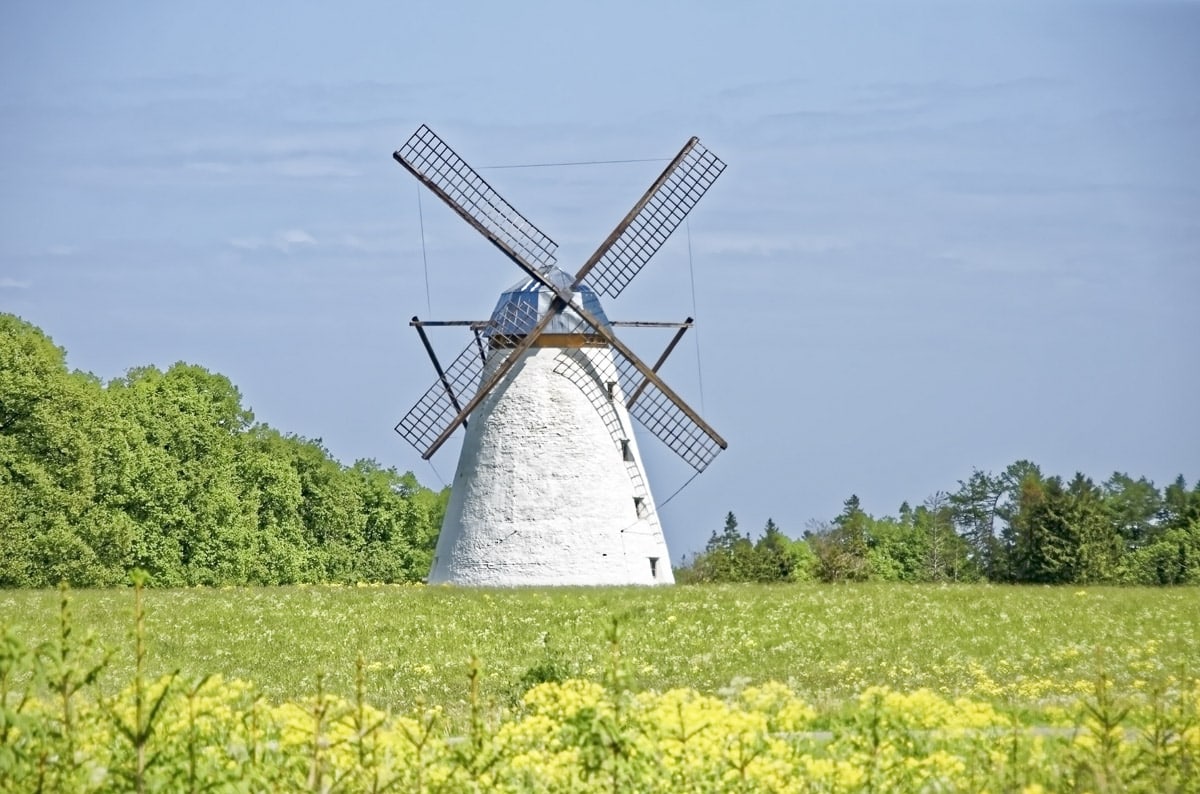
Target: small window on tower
[(654, 567), (626, 452)]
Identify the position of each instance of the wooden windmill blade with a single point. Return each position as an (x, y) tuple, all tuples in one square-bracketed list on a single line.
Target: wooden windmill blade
[(652, 220), (440, 410), (441, 401), (512, 355), (659, 412), (617, 260), (614, 264), (451, 179), (658, 408)]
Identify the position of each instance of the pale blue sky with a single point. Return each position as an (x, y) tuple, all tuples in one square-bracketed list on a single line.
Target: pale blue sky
[(950, 234)]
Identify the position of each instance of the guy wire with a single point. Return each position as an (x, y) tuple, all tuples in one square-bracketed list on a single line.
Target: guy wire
[(666, 501), (696, 329), (424, 258), (578, 162), (436, 474)]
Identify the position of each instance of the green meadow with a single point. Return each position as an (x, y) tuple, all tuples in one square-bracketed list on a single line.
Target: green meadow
[(1030, 650)]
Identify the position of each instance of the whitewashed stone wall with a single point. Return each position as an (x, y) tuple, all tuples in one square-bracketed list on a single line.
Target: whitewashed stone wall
[(544, 490)]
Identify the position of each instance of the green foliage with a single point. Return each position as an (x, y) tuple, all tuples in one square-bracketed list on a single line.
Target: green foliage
[(1019, 526), (730, 556), (1173, 557), (919, 546), (550, 668), (974, 507), (778, 558), (1133, 506), (1062, 533), (843, 548), (166, 471)]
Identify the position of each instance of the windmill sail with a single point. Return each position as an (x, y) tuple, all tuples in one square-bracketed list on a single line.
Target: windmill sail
[(440, 169), (442, 403), (652, 220), (666, 420)]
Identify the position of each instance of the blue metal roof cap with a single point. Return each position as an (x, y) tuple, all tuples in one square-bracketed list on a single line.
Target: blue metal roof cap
[(523, 304)]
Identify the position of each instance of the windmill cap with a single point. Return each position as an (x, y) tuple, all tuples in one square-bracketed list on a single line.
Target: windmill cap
[(523, 304)]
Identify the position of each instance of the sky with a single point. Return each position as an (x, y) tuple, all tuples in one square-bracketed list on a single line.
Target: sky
[(950, 235)]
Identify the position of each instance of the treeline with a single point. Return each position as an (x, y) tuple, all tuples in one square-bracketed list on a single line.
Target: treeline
[(1018, 526), (168, 472)]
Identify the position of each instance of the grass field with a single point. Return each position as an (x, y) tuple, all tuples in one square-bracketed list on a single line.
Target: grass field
[(880, 688), (1029, 650)]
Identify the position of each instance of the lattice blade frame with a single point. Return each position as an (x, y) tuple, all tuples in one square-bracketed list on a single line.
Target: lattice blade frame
[(659, 213), (439, 167), (666, 420), (439, 412), (664, 413), (429, 416)]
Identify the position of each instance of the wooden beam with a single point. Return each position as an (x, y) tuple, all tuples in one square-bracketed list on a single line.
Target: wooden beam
[(437, 365), (661, 360), (628, 219)]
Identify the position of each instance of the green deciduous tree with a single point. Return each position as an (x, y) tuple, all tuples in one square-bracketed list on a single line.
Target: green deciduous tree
[(727, 555), (1170, 553), (166, 471), (778, 558), (54, 468), (842, 548), (186, 491), (974, 507), (731, 556), (947, 556)]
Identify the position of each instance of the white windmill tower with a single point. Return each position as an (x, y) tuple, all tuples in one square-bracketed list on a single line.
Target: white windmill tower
[(550, 487)]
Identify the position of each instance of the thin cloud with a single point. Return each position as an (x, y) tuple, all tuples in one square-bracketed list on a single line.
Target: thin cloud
[(293, 238), (209, 167), (13, 283), (286, 241), (310, 167)]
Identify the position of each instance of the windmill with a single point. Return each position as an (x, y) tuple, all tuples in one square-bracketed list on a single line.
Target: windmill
[(550, 487)]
